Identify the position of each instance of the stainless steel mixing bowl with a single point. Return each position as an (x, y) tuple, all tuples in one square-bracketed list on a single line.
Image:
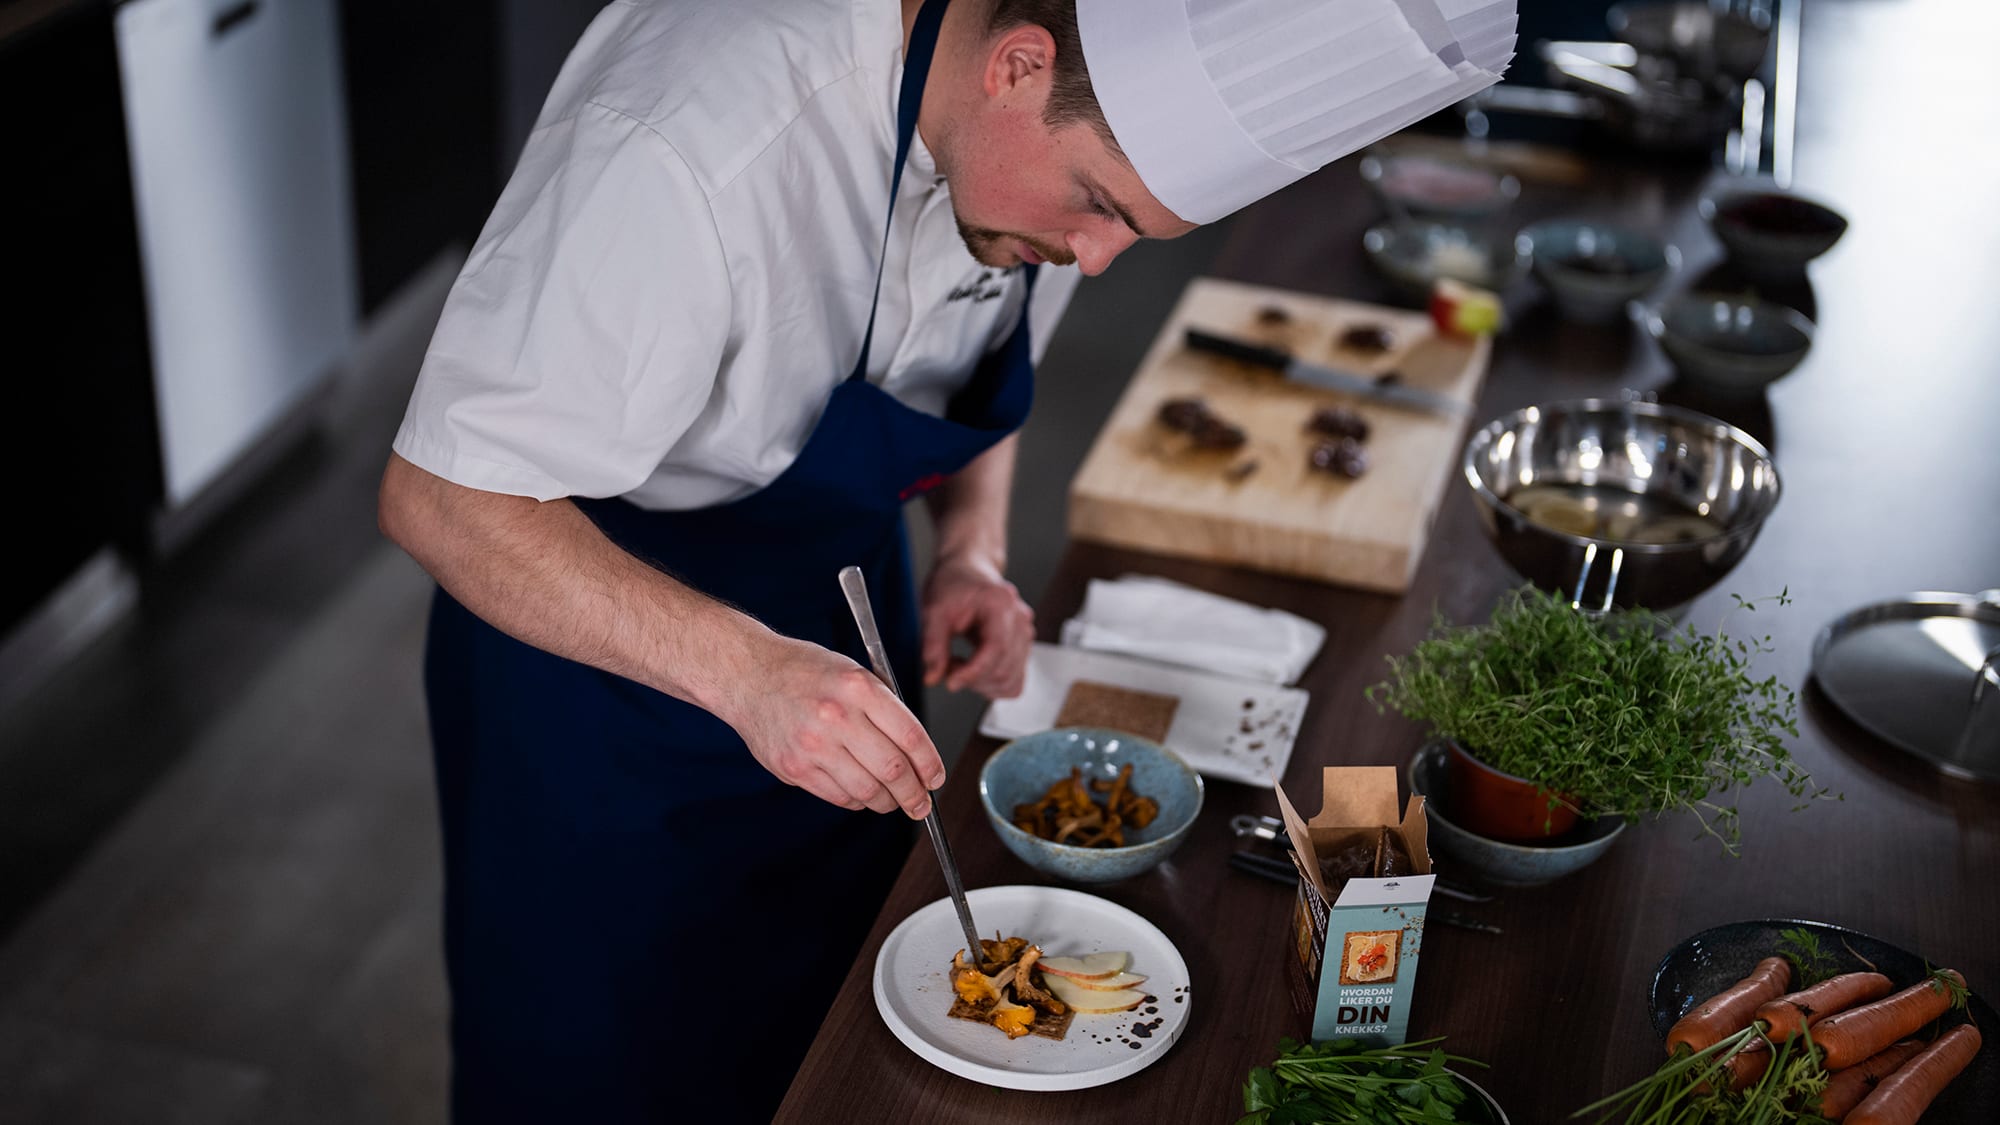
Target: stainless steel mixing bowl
[(1662, 456)]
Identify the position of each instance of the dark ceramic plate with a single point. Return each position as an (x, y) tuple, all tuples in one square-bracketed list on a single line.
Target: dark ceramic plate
[(1712, 960)]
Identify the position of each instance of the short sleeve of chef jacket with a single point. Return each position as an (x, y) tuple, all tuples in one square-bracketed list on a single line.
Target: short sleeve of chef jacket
[(584, 334)]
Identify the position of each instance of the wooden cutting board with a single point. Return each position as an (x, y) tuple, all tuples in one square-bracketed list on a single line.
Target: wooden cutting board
[(1143, 485)]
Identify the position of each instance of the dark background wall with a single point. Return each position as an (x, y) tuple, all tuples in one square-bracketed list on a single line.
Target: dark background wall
[(77, 444)]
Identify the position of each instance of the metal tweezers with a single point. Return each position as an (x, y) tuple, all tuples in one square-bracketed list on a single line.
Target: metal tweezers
[(1282, 871), (1272, 829)]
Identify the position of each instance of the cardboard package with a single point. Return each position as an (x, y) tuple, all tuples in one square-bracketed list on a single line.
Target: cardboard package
[(1374, 927)]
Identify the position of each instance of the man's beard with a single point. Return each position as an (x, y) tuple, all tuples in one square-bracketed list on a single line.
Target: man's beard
[(992, 247)]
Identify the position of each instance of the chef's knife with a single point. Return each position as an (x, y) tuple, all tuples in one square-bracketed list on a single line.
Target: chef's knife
[(1300, 371), (856, 588)]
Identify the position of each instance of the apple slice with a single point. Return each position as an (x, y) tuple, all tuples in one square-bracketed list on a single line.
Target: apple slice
[(1085, 968), (1091, 1000), (1111, 983)]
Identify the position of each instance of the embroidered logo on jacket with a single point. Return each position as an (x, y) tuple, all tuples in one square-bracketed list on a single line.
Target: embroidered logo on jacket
[(988, 285)]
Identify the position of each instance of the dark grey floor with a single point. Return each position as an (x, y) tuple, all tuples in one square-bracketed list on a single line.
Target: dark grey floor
[(218, 867)]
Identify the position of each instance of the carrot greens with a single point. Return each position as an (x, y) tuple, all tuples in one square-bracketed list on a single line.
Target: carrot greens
[(1811, 963), (1953, 986), (1342, 1081), (1694, 1088)]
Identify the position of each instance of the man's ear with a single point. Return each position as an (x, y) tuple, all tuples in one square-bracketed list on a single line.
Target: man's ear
[(1022, 54)]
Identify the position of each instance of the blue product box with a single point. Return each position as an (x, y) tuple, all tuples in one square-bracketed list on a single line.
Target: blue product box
[(1357, 944)]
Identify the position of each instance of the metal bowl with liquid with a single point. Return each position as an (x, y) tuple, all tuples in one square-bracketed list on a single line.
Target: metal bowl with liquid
[(1614, 503)]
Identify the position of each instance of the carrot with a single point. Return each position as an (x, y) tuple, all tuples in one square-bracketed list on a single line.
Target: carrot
[(1732, 1008), (1847, 1087), (1786, 1016), (1903, 1096), (1845, 1038), (1749, 1064)]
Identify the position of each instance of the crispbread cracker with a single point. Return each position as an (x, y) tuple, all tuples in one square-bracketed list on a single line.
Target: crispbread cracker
[(1047, 1026), (1143, 713), (1370, 956)]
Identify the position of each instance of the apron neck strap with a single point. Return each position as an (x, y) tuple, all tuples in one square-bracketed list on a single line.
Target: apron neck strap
[(909, 100)]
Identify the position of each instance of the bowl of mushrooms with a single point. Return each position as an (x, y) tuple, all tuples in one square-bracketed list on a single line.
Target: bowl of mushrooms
[(1088, 804)]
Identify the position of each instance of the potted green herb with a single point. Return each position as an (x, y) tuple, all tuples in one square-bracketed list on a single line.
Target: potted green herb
[(1619, 714)]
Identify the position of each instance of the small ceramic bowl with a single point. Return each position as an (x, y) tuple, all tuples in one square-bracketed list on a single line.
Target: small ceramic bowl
[(1416, 186), (1020, 772), (1513, 865), (1771, 234), (1732, 345), (1482, 1106), (1694, 35), (1414, 254), (1594, 269)]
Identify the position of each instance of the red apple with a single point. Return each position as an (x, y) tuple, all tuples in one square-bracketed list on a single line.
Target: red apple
[(1462, 310)]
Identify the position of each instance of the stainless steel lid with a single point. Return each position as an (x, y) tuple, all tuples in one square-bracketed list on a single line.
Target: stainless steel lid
[(1921, 672)]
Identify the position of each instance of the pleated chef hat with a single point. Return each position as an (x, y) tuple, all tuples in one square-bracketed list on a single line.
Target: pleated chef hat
[(1219, 103)]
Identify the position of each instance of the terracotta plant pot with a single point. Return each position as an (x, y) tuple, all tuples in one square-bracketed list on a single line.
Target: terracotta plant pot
[(1499, 805)]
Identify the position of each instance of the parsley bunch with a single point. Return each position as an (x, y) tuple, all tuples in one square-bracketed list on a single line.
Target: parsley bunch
[(1341, 1081), (1619, 714)]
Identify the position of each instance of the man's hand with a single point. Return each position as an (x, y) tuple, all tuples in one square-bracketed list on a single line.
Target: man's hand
[(543, 573), (967, 596), (819, 721)]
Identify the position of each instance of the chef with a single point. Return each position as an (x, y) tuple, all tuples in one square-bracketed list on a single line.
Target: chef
[(768, 270)]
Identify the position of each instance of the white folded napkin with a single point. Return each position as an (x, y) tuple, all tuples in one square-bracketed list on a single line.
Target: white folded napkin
[(1140, 615)]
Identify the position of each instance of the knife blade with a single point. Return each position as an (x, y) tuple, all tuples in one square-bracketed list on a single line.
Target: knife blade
[(1319, 375), (855, 587)]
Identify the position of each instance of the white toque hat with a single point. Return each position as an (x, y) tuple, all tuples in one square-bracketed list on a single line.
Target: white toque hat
[(1218, 103)]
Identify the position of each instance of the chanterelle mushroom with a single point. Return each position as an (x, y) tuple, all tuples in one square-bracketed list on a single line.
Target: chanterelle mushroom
[(1024, 983), (975, 987), (988, 993)]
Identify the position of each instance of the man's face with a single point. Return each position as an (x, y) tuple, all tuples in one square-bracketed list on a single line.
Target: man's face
[(1023, 192)]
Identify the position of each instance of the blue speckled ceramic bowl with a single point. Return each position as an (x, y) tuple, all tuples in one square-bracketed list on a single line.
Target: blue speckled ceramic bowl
[(1593, 269), (1735, 345), (1514, 865), (1020, 772)]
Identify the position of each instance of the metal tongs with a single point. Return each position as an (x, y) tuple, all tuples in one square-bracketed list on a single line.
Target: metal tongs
[(1271, 829), (856, 588)]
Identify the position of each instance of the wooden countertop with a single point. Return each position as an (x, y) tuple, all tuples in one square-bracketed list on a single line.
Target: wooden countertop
[(1886, 441)]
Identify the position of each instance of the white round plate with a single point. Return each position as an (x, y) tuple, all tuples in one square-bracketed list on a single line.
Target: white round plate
[(913, 990)]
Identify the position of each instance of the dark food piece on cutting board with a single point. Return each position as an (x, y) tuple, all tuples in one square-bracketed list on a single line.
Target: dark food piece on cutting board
[(1342, 457), (1371, 339), (1339, 422), (1193, 417)]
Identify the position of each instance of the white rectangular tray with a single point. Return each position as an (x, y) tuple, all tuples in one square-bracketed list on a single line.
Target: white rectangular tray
[(1227, 728)]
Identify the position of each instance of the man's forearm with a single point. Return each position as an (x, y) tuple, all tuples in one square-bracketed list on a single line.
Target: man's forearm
[(970, 509), (543, 573)]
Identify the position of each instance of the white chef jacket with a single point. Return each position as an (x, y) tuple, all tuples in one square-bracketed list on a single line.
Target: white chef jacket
[(679, 271)]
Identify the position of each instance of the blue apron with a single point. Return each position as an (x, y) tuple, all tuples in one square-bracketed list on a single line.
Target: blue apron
[(628, 894)]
